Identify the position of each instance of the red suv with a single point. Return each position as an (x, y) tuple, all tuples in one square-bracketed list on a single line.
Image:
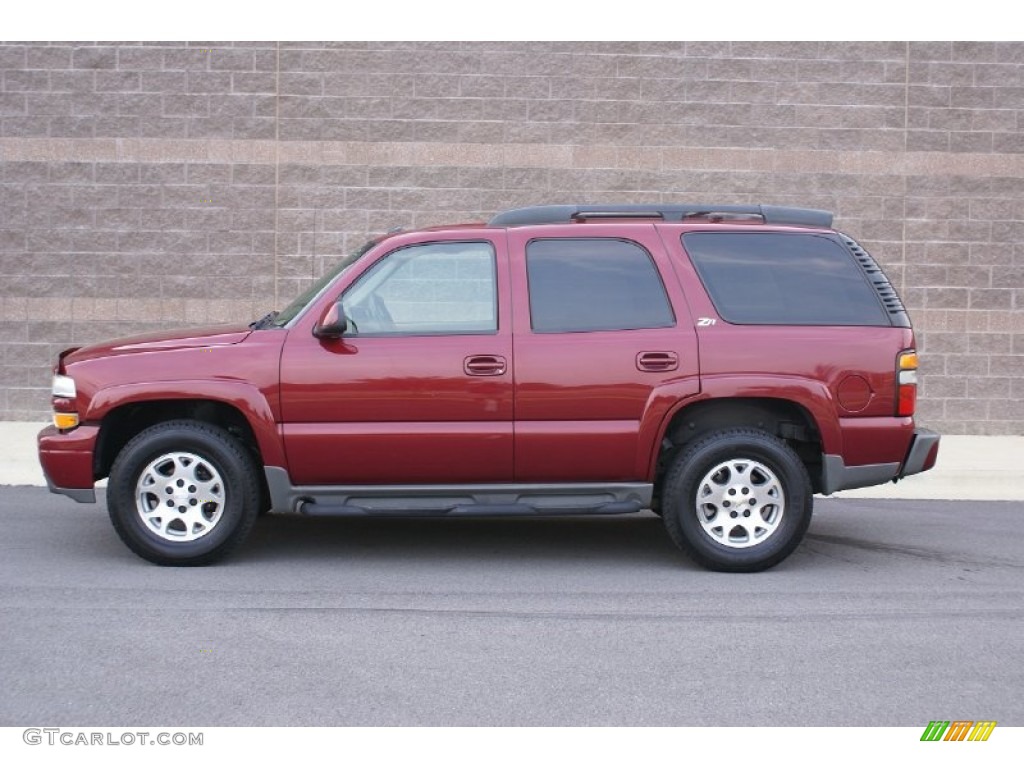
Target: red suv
[(718, 364)]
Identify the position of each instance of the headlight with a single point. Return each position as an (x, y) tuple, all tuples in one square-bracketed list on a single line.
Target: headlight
[(64, 393), (64, 386)]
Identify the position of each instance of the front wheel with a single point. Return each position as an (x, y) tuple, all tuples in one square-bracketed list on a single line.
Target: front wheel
[(737, 500), (183, 493)]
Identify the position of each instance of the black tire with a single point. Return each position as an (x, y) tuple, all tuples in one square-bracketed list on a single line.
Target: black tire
[(756, 500), (207, 516)]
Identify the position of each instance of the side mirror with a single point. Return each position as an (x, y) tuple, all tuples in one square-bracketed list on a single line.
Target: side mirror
[(333, 324)]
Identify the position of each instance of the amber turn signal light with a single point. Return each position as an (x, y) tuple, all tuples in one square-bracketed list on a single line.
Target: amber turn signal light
[(906, 372), (65, 420)]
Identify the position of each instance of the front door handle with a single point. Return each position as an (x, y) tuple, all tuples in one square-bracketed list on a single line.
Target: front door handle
[(657, 361), (484, 365)]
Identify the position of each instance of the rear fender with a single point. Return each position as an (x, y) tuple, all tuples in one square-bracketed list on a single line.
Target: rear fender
[(813, 396)]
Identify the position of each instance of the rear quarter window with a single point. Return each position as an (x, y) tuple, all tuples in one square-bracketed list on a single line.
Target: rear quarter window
[(762, 278)]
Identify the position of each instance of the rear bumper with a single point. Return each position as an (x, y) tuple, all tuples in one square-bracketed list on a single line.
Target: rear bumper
[(67, 461), (924, 450), (921, 456)]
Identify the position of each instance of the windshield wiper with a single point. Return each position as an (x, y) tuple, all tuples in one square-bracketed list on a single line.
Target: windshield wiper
[(264, 321)]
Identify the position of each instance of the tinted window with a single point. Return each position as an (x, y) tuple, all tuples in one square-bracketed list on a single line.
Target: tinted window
[(427, 289), (783, 279), (594, 285)]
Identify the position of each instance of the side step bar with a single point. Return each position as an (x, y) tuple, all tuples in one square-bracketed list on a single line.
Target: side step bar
[(316, 509), (476, 500)]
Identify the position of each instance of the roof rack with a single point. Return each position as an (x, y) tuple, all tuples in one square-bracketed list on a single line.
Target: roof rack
[(568, 214)]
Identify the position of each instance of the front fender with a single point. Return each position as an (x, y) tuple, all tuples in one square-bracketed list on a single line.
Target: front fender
[(248, 399)]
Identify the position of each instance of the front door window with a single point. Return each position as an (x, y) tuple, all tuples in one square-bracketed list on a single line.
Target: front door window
[(435, 288)]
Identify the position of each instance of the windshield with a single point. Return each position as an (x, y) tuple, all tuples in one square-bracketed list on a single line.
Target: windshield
[(286, 315)]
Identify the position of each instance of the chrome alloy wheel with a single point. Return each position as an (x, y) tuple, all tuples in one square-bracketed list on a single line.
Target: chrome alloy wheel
[(740, 503), (180, 496)]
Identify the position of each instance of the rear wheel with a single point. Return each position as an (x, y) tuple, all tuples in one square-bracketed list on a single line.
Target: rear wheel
[(737, 500), (183, 493)]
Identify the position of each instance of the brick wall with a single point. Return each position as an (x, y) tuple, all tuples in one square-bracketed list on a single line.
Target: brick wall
[(153, 185)]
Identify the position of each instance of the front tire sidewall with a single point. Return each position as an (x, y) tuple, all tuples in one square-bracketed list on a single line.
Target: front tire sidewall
[(211, 444), (693, 465)]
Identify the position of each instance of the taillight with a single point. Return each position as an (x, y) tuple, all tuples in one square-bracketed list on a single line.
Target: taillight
[(906, 373)]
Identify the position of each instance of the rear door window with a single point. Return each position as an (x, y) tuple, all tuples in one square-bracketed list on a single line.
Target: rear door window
[(594, 284), (783, 279)]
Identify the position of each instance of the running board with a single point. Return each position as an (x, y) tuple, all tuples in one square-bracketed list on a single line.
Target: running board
[(476, 500), (317, 509)]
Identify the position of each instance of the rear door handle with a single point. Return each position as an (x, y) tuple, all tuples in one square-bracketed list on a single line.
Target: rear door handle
[(484, 365), (657, 361)]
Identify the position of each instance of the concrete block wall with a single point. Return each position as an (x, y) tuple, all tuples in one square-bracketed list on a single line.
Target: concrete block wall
[(153, 185)]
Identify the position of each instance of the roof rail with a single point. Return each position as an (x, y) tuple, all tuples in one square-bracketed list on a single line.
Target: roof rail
[(567, 214)]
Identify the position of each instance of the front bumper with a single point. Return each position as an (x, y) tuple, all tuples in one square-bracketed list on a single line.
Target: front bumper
[(921, 456), (67, 461)]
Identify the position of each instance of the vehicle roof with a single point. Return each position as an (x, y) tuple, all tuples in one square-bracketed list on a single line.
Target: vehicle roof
[(567, 214), (699, 216)]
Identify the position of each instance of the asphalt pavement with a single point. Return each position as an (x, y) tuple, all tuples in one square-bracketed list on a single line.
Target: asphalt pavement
[(892, 613)]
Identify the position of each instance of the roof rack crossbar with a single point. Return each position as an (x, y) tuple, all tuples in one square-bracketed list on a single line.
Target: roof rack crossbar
[(613, 214), (567, 214)]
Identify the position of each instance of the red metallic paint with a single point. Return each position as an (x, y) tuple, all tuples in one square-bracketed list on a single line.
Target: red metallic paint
[(163, 366), (601, 450), (246, 398), (825, 353), (878, 440), (399, 453), (188, 338), (400, 407), (580, 398), (854, 393), (67, 457), (569, 407)]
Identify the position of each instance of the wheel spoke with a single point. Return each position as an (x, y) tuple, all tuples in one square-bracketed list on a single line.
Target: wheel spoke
[(712, 493), (740, 503), (154, 513), (180, 496), (209, 491), (740, 472), (161, 523), (721, 532), (194, 521), (750, 527)]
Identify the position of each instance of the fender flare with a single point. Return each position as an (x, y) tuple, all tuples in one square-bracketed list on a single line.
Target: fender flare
[(242, 396), (813, 396)]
